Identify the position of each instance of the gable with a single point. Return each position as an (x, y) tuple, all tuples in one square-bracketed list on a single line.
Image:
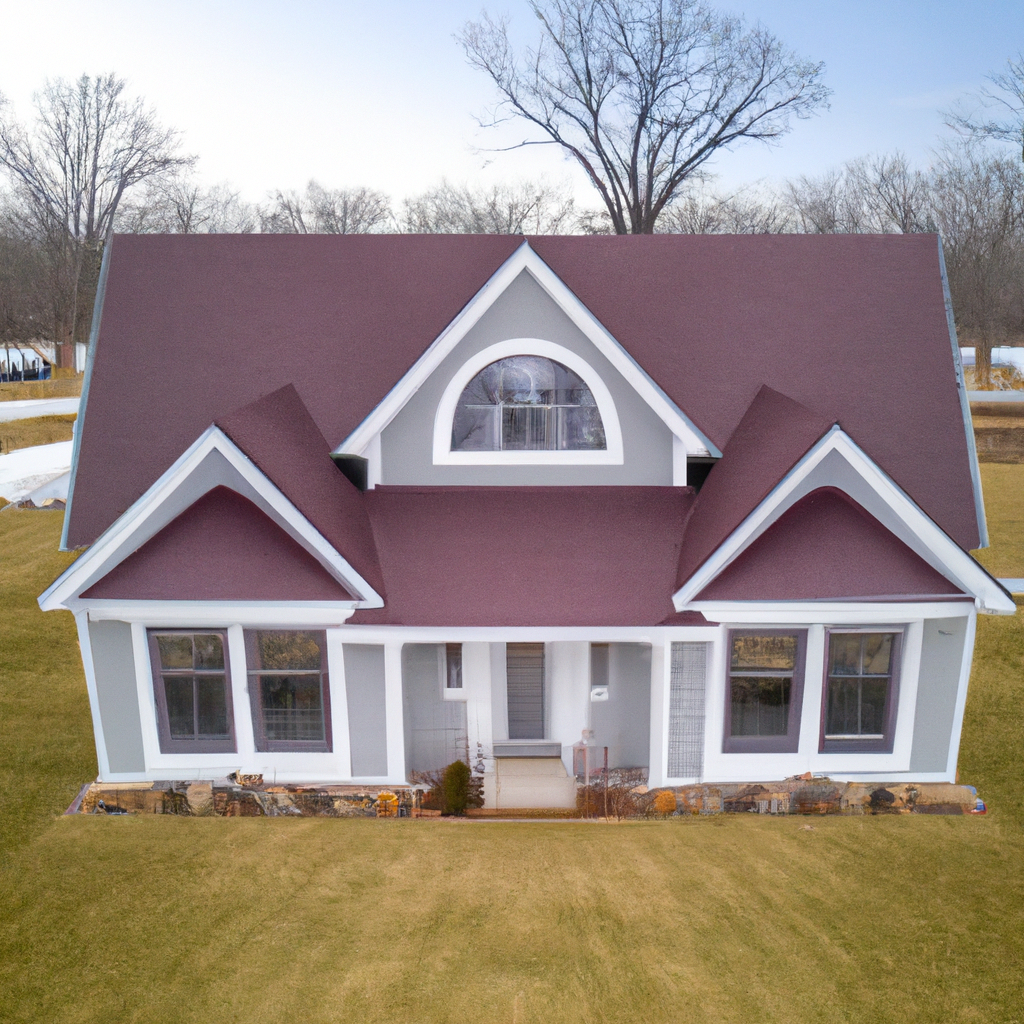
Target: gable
[(837, 462), (826, 546), (525, 320), (221, 548)]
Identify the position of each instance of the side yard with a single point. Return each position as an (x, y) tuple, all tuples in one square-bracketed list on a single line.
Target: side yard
[(724, 919)]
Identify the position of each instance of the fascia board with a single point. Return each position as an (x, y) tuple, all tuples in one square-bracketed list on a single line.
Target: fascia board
[(524, 258), (219, 613), (90, 361), (97, 560), (957, 564), (965, 405), (846, 612)]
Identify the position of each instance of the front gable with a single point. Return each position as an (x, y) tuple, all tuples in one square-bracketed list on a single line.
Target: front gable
[(838, 464), (525, 310), (221, 548), (827, 547), (213, 463)]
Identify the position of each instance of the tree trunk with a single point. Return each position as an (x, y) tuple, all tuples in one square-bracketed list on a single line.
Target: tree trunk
[(983, 361)]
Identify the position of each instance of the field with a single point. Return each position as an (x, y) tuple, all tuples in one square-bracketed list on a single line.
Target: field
[(16, 434), (738, 919)]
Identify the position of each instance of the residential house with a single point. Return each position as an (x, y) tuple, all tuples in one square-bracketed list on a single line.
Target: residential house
[(357, 506)]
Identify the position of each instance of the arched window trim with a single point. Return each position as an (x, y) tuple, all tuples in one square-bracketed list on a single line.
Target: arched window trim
[(444, 418)]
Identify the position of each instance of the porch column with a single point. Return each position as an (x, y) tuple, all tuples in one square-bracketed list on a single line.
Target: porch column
[(568, 694), (393, 713)]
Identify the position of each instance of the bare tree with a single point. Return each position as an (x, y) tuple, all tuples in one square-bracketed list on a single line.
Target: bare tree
[(88, 147), (525, 208), (319, 210), (978, 206), (746, 212), (881, 194), (23, 299), (642, 93), (1006, 99), (177, 204)]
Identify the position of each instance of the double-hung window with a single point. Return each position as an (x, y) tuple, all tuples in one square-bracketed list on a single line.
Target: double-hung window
[(192, 688), (861, 687), (288, 689), (764, 691)]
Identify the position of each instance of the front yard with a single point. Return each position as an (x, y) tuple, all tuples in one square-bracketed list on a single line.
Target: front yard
[(741, 919)]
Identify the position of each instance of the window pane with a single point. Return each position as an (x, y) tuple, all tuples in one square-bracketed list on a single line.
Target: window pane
[(475, 429), (292, 707), (453, 666), (180, 709), (841, 716), (872, 706), (877, 653), (760, 705), (288, 649), (844, 654), (209, 650), (526, 428), (175, 650), (213, 706), (770, 653), (581, 429)]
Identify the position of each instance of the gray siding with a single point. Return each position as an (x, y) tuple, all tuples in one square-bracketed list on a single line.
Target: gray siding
[(623, 722), (941, 656), (367, 725), (525, 310), (113, 662), (435, 728)]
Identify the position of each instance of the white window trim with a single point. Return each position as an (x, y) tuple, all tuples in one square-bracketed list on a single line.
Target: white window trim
[(445, 416)]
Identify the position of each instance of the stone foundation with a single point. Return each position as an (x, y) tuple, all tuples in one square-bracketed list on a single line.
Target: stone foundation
[(224, 798)]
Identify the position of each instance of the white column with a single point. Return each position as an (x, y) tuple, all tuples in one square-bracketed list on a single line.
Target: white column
[(477, 682), (85, 643), (339, 703), (568, 693), (393, 713), (661, 666), (245, 738)]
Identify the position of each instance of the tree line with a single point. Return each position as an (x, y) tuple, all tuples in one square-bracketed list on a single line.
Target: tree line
[(640, 93)]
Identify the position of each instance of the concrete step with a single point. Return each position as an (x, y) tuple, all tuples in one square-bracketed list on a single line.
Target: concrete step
[(532, 782)]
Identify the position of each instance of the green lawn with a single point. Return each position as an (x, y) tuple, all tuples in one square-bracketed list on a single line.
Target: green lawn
[(741, 919)]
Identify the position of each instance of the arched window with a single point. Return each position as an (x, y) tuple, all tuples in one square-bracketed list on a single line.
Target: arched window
[(527, 403)]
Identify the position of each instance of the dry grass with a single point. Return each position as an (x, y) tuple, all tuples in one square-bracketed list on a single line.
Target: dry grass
[(738, 919), (1003, 487), (16, 434)]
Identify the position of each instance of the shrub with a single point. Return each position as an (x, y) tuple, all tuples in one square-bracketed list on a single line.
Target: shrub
[(665, 802), (455, 788), (434, 798)]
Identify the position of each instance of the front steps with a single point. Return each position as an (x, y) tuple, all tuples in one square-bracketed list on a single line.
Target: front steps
[(530, 782)]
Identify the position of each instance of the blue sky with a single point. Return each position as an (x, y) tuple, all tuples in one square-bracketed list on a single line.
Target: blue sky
[(269, 94)]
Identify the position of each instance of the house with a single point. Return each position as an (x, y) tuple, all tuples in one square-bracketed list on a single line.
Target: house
[(356, 506)]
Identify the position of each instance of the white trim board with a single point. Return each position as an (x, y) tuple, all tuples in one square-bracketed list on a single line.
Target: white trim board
[(211, 461), (881, 497), (524, 258)]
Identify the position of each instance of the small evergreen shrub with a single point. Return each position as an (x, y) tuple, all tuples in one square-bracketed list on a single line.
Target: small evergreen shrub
[(455, 788)]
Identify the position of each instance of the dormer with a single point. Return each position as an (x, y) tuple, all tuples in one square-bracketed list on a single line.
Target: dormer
[(526, 388)]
